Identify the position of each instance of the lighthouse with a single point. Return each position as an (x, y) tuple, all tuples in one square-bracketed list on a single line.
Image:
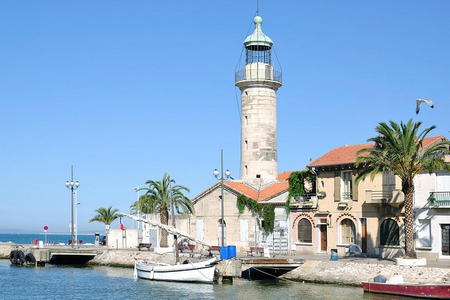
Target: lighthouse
[(258, 82)]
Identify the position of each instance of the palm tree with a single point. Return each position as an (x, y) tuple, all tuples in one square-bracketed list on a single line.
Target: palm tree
[(399, 149), (160, 197), (105, 216)]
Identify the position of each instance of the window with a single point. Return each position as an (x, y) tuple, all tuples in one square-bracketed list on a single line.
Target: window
[(243, 225), (346, 185), (389, 233), (423, 238), (246, 145), (199, 229), (304, 231), (388, 180), (348, 232)]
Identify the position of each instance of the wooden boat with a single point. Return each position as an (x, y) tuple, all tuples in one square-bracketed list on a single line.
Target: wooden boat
[(433, 291), (204, 272)]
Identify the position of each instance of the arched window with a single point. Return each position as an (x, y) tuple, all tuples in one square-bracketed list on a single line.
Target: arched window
[(304, 231), (389, 233), (348, 232)]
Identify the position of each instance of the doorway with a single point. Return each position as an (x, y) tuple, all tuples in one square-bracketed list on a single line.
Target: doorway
[(323, 237), (363, 235), (445, 229)]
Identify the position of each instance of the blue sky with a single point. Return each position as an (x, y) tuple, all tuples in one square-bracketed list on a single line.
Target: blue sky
[(128, 90)]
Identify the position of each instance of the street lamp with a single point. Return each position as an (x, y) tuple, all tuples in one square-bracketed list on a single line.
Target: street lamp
[(72, 186), (221, 178), (137, 190)]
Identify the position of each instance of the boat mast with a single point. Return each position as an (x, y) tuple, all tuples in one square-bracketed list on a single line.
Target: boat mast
[(175, 236)]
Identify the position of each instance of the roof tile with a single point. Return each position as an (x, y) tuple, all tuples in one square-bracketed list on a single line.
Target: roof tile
[(347, 154)]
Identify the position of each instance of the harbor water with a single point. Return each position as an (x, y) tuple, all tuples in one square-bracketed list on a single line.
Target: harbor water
[(63, 282)]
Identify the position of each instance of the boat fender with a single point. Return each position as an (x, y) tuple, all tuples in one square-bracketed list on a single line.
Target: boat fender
[(186, 262), (30, 259), (20, 257), (12, 257)]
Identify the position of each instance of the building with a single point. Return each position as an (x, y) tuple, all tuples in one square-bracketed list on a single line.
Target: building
[(341, 212), (432, 214), (258, 82)]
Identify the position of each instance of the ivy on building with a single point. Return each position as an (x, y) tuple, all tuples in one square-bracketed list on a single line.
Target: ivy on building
[(265, 212), (297, 184)]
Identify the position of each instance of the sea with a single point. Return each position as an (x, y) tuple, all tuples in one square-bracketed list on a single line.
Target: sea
[(83, 283), (101, 282), (22, 238)]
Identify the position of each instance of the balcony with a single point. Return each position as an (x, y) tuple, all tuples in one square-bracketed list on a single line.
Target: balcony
[(308, 201), (258, 72), (440, 199), (389, 197)]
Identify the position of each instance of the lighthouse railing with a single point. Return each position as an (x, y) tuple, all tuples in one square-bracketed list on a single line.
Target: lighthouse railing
[(246, 74)]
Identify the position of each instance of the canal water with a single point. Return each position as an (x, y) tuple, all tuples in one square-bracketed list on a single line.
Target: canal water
[(57, 282)]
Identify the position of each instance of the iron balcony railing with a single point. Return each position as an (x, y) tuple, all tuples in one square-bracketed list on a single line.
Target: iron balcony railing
[(346, 195), (307, 201), (440, 199), (392, 197), (257, 74)]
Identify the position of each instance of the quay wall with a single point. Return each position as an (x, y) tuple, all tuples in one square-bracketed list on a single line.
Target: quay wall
[(6, 248), (353, 273), (127, 258)]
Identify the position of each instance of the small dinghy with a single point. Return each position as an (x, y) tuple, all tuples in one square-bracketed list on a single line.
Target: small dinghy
[(204, 272)]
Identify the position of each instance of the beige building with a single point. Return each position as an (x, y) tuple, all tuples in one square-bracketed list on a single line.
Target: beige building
[(343, 212), (242, 230)]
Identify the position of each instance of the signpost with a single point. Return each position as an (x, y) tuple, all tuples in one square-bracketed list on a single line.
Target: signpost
[(45, 234)]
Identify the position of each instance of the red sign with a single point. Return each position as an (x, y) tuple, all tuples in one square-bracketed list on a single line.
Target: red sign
[(45, 227), (122, 227)]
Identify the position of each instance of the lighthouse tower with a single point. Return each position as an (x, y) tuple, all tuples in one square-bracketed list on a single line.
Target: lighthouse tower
[(258, 82)]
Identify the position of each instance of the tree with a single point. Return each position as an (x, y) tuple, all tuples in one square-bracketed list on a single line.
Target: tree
[(160, 197), (399, 149), (105, 216)]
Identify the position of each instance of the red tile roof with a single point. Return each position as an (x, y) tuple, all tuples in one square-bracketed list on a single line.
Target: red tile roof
[(264, 194), (284, 175), (242, 188), (272, 190), (347, 154)]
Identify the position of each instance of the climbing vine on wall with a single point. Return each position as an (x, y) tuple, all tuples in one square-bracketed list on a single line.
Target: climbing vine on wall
[(263, 211), (297, 184)]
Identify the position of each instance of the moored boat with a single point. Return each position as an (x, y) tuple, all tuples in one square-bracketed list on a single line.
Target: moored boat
[(433, 291), (204, 272)]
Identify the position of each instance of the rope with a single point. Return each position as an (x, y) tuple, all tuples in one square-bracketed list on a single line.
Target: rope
[(259, 270)]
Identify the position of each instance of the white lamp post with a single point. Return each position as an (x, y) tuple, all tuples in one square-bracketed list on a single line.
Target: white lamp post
[(72, 186), (221, 178)]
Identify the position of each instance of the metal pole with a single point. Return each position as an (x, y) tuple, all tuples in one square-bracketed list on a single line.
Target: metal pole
[(175, 237), (221, 197), (72, 227)]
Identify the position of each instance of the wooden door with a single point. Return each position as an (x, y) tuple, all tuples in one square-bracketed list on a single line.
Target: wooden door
[(323, 237), (364, 235)]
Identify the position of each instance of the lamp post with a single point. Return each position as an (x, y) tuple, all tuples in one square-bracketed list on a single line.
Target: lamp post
[(72, 186), (137, 190), (221, 178)]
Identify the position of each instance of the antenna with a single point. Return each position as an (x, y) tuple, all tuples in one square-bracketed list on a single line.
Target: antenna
[(257, 7)]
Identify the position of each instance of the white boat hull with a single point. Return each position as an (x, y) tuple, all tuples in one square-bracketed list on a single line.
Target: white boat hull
[(192, 272)]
